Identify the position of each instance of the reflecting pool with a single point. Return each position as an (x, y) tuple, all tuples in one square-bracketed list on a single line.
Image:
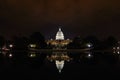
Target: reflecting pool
[(60, 65)]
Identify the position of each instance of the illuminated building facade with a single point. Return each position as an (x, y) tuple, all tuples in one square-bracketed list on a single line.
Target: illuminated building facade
[(59, 35), (59, 41)]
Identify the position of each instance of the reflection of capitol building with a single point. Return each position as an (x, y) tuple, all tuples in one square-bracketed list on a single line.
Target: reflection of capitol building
[(59, 40)]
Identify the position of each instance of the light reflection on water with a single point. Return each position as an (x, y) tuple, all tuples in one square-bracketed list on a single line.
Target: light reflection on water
[(63, 62), (65, 56)]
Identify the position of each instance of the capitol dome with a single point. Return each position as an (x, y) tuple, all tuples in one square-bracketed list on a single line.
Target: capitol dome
[(59, 35)]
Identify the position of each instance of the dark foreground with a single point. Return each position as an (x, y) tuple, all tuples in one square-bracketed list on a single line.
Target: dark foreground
[(74, 70)]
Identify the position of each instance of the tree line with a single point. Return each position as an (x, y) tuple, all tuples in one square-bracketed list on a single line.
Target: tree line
[(77, 42)]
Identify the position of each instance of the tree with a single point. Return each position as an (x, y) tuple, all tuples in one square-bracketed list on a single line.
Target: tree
[(2, 41), (20, 43), (38, 39), (110, 42), (92, 40), (75, 44)]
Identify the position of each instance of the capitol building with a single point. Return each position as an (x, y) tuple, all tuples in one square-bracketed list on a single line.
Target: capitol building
[(59, 41)]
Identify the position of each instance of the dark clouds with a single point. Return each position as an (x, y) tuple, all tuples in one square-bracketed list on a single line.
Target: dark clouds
[(84, 17)]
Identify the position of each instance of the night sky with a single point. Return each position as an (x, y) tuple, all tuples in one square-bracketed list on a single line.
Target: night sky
[(77, 17)]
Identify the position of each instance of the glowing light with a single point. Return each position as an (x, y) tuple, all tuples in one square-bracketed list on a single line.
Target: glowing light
[(113, 47), (59, 65), (59, 35), (10, 45), (32, 55), (118, 47), (32, 45), (89, 55), (118, 52), (89, 45), (10, 55)]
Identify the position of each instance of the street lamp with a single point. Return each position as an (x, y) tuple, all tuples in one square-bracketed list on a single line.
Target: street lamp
[(89, 45)]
